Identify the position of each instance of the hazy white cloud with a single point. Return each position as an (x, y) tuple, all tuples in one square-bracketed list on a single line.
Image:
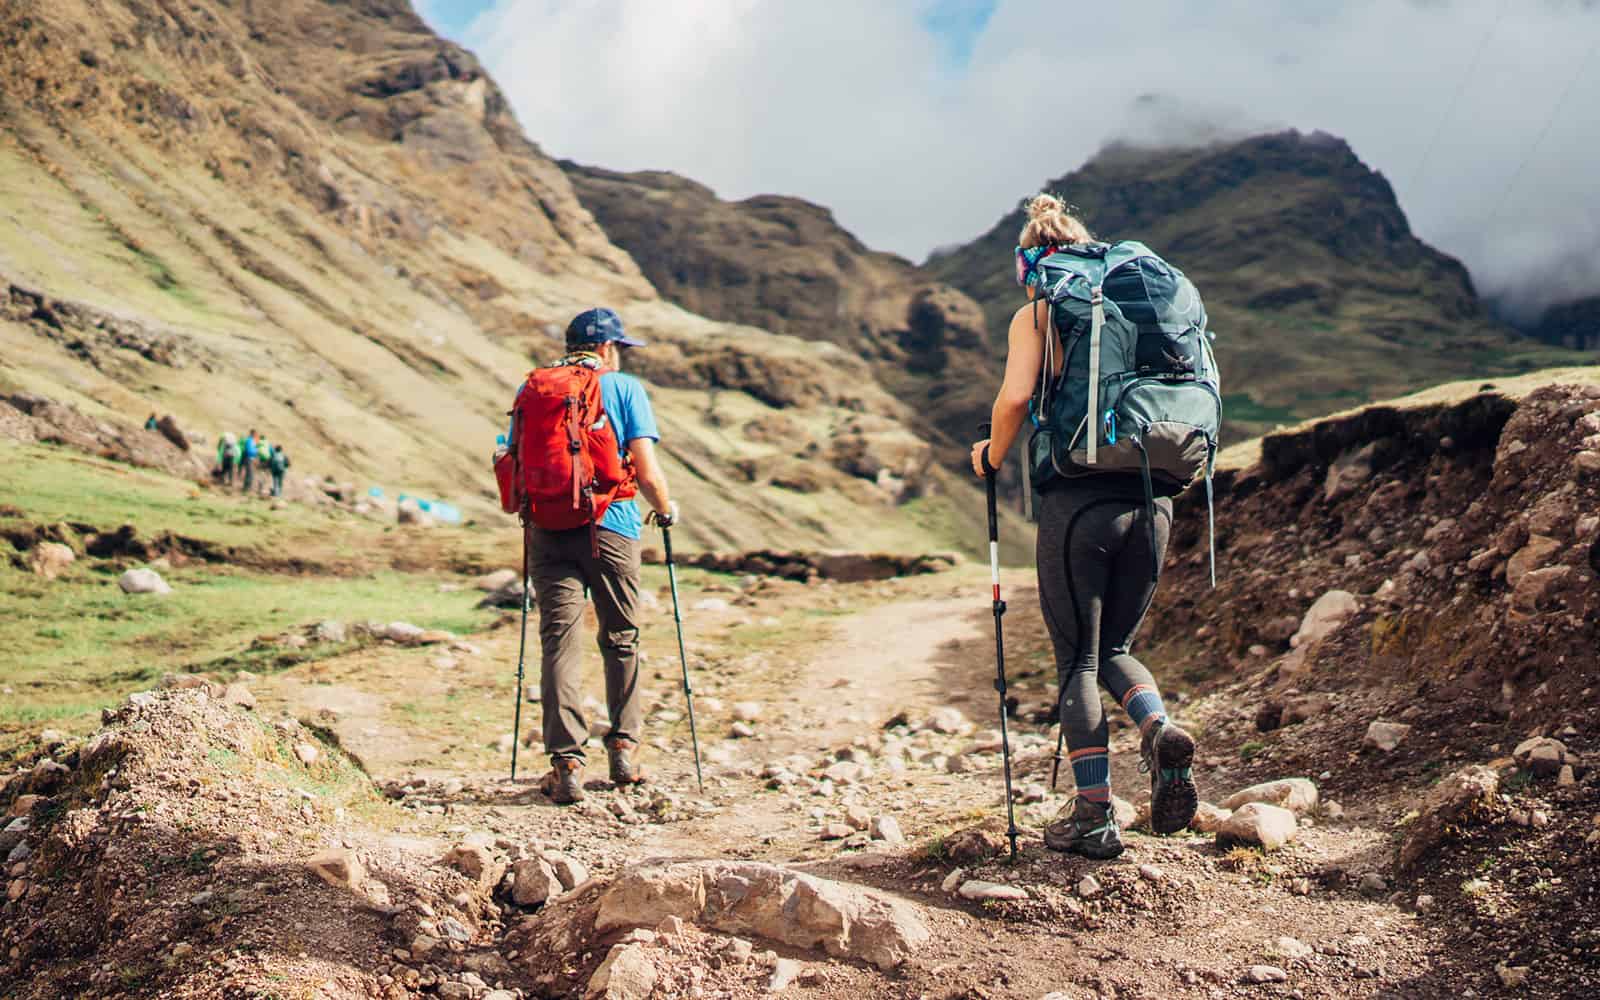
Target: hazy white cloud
[(857, 105)]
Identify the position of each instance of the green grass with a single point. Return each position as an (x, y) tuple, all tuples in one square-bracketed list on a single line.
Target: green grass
[(79, 644), (53, 484)]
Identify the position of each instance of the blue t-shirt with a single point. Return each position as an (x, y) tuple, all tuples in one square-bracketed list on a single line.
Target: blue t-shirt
[(627, 406)]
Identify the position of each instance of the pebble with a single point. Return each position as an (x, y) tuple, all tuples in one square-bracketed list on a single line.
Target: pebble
[(1088, 887), (836, 831), (1150, 873), (953, 880), (743, 730), (1373, 882), (1265, 974), (784, 973)]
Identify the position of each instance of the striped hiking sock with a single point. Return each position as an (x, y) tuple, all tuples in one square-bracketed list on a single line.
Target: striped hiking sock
[(1144, 707), (1091, 771)]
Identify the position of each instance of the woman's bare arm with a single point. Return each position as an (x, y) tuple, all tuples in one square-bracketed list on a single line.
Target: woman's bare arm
[(1024, 356)]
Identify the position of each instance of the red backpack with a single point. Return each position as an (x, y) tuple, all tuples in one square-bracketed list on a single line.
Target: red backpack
[(564, 466)]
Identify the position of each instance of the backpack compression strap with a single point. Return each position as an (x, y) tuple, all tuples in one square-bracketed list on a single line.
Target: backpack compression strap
[(1097, 314)]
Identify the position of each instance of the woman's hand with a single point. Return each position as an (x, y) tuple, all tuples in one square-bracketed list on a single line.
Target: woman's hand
[(977, 459)]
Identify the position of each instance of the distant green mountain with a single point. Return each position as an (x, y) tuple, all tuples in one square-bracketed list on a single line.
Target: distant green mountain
[(1319, 292)]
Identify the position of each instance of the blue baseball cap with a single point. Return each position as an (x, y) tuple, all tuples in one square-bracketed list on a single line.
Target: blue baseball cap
[(599, 326)]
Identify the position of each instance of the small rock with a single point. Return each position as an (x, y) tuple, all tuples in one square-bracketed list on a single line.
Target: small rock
[(747, 711), (626, 974), (404, 633), (1542, 755), (978, 889), (1511, 976), (1031, 793), (1208, 818), (331, 631), (959, 764), (835, 831), (1260, 825), (338, 867), (1265, 974), (738, 951), (1424, 903), (534, 881), (1088, 887), (306, 753), (1373, 882), (1325, 615), (1298, 795), (1150, 873), (455, 930), (953, 880), (742, 730), (240, 695), (1291, 949), (1385, 736), (783, 975), (947, 720), (886, 829), (50, 559), (143, 581)]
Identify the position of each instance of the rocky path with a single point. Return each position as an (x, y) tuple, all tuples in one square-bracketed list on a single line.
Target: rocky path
[(820, 784)]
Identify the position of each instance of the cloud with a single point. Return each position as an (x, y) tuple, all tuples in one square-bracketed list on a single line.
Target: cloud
[(919, 135)]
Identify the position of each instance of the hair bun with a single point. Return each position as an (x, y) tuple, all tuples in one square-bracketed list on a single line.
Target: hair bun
[(1042, 206)]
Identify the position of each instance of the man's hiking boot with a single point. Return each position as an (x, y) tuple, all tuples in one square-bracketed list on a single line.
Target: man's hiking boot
[(1167, 752), (564, 783), (1086, 828), (623, 770)]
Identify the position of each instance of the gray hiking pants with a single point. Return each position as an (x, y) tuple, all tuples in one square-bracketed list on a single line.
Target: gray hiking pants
[(562, 564), (1094, 589)]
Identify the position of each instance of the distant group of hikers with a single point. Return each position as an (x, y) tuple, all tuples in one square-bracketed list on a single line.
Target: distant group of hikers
[(1108, 360), (238, 460)]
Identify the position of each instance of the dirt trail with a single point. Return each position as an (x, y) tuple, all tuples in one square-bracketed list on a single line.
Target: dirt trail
[(1173, 917)]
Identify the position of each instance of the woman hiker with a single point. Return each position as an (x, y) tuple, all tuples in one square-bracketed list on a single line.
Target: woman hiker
[(1095, 584)]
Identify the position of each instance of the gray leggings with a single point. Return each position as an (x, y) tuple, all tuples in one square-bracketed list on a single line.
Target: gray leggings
[(1094, 588)]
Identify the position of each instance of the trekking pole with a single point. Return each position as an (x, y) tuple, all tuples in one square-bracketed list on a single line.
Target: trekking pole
[(999, 641), (1061, 735), (522, 650), (683, 658)]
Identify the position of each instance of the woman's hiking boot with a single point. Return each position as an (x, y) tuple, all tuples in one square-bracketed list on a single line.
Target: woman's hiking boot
[(564, 783), (1086, 828), (1167, 752), (623, 769)]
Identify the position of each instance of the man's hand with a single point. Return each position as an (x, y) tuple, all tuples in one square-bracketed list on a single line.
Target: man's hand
[(978, 451), (667, 518)]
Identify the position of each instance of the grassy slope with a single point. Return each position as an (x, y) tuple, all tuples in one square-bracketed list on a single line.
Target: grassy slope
[(370, 299), (77, 644)]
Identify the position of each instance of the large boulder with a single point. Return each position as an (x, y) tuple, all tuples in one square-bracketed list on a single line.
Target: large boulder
[(1298, 795), (1462, 799), (759, 900)]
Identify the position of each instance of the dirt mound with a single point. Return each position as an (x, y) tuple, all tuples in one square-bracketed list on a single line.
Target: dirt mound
[(1402, 593), (167, 856)]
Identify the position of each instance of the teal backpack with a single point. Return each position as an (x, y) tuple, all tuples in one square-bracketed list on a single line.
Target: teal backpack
[(1138, 389)]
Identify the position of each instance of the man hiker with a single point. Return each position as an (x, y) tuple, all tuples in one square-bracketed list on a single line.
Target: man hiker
[(250, 450), (600, 556), (278, 464)]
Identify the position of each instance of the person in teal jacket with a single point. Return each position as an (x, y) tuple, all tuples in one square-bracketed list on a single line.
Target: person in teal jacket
[(278, 464)]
